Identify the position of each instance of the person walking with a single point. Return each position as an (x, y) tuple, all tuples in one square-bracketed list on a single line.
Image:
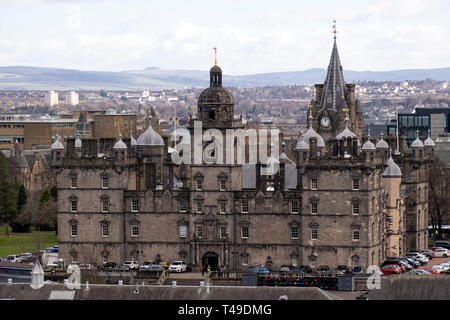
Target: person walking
[(203, 270), (209, 268)]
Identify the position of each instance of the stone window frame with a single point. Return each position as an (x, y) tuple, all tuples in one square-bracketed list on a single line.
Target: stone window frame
[(183, 225), (73, 180), (356, 230), (222, 235), (73, 203), (199, 181), (104, 199), (135, 205), (314, 227), (356, 206), (199, 231), (105, 224), (295, 232), (245, 259), (135, 230), (222, 177), (297, 206), (314, 205), (183, 203), (199, 205), (314, 183), (245, 204), (73, 227), (355, 183), (104, 177), (245, 232)]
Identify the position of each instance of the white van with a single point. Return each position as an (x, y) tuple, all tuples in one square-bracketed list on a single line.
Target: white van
[(14, 258)]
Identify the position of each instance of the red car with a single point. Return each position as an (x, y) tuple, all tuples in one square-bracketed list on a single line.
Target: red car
[(432, 271), (391, 269)]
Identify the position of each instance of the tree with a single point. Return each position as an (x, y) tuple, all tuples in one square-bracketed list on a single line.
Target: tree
[(439, 195), (16, 225), (8, 195)]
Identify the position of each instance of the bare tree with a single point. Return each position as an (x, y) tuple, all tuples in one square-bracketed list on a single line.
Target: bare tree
[(439, 195)]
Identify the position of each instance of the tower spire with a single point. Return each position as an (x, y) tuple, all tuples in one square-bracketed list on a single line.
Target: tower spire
[(215, 56), (333, 94)]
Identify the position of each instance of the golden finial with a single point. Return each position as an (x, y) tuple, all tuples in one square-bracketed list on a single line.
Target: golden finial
[(310, 109), (334, 29), (215, 56), (346, 110)]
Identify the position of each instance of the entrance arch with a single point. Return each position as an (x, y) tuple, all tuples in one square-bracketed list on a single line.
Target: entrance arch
[(211, 259)]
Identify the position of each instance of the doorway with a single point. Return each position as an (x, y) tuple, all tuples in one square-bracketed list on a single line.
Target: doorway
[(211, 259)]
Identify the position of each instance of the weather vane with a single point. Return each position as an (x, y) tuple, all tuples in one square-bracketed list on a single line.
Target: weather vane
[(334, 29), (215, 56)]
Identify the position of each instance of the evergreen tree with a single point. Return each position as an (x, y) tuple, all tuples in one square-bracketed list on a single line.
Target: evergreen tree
[(8, 195)]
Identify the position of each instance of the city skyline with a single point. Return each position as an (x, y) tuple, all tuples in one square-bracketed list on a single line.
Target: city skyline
[(251, 37)]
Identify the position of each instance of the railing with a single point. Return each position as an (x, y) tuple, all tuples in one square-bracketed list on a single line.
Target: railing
[(163, 277)]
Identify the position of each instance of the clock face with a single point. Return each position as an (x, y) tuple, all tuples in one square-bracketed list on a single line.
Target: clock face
[(325, 122)]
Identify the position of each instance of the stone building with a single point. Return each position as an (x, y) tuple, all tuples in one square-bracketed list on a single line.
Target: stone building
[(344, 200)]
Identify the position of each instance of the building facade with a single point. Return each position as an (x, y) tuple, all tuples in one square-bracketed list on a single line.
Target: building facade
[(339, 202)]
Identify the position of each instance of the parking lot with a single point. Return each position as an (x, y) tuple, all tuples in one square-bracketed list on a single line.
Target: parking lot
[(433, 262)]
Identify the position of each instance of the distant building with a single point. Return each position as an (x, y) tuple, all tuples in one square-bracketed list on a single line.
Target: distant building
[(437, 120), (51, 98), (72, 98)]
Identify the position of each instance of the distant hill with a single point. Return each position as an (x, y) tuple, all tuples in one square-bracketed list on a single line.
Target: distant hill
[(39, 78)]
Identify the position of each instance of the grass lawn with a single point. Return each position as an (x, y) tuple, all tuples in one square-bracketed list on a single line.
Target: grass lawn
[(25, 242)]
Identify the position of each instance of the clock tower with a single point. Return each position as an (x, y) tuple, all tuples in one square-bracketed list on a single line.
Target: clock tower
[(333, 99)]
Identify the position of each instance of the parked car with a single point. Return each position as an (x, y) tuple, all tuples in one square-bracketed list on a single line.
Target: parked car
[(357, 270), (322, 269), (439, 253), (344, 269), (133, 265), (260, 270), (286, 268), (87, 266), (14, 258), (445, 266), (407, 266), (432, 270), (122, 267), (306, 269), (413, 262), (418, 257), (177, 266), (145, 266), (334, 272), (391, 269), (442, 244), (418, 272), (427, 253), (109, 266)]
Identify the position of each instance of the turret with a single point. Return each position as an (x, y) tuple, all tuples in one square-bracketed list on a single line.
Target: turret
[(417, 148), (57, 149), (368, 149), (429, 146), (120, 149), (382, 149)]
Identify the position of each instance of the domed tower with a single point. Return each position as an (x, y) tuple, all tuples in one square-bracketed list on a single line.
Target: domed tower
[(216, 104)]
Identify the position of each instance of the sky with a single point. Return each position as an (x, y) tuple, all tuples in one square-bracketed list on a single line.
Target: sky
[(250, 36)]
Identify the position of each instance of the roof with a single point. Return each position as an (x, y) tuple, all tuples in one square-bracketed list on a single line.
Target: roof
[(368, 145), (381, 143), (392, 170), (417, 143), (150, 137), (310, 133), (148, 292), (333, 88), (57, 145), (120, 145)]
